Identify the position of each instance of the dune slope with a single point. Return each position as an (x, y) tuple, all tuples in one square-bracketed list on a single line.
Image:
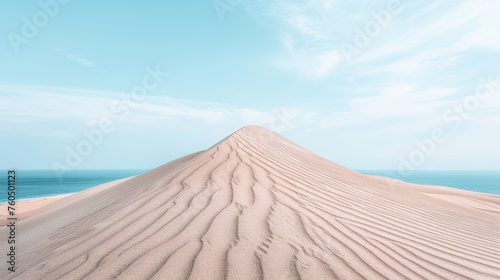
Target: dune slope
[(256, 206)]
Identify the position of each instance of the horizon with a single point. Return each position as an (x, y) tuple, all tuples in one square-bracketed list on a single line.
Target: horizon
[(367, 85)]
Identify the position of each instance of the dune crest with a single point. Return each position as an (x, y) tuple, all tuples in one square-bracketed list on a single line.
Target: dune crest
[(257, 206)]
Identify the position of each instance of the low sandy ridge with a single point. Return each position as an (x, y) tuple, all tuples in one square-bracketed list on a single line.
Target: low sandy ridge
[(33, 207), (257, 206)]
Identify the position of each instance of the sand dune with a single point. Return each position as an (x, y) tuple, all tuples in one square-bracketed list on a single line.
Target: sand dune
[(256, 206)]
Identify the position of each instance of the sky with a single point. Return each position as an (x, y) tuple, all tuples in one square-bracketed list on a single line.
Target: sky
[(135, 84)]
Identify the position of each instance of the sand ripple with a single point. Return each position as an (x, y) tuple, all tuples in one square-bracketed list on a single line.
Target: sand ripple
[(256, 206)]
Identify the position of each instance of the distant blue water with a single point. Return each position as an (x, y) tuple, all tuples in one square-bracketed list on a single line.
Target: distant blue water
[(477, 181), (40, 183)]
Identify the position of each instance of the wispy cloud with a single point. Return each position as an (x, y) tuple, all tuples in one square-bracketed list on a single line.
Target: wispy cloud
[(80, 59), (461, 27), (425, 35), (84, 108), (307, 36), (400, 102)]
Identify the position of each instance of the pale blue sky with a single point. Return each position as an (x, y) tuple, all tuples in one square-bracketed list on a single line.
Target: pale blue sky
[(279, 64)]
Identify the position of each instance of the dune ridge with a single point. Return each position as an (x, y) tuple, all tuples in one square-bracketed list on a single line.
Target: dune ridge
[(257, 206)]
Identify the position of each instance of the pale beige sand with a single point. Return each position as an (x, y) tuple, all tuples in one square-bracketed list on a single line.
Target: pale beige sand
[(33, 207), (26, 206), (256, 206)]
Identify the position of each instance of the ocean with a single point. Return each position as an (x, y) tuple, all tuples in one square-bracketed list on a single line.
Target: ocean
[(40, 183)]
